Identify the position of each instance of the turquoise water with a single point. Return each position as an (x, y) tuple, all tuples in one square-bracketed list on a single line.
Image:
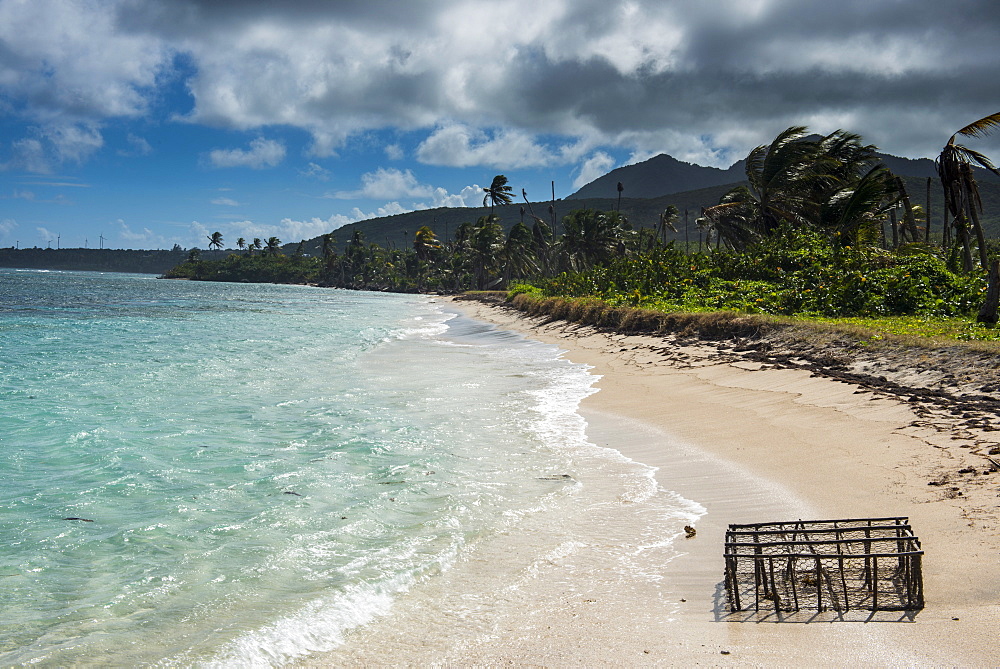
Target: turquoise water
[(255, 469)]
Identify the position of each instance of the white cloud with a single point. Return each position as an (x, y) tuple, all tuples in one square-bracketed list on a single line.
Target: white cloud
[(72, 59), (460, 145), (314, 171), (470, 196), (593, 167), (7, 227), (144, 238), (388, 209), (28, 155), (138, 147), (226, 202), (394, 152), (54, 144), (262, 153), (74, 142), (287, 230), (46, 236), (383, 184), (492, 87)]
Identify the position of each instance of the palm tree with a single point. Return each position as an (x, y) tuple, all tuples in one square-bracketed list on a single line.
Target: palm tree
[(778, 177), (273, 245), (592, 237), (961, 193), (854, 213), (518, 253), (256, 245), (803, 182), (668, 219), (486, 247), (328, 241), (541, 245), (498, 192), (241, 243), (425, 243), (215, 240)]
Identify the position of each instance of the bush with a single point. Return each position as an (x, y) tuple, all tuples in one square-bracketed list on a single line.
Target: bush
[(797, 273)]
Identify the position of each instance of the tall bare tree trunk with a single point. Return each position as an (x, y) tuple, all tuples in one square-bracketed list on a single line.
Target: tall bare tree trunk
[(927, 213), (980, 237), (895, 229), (909, 223), (946, 225), (687, 249), (973, 209)]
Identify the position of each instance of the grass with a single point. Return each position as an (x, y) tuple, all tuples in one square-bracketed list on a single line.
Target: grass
[(938, 330), (912, 331)]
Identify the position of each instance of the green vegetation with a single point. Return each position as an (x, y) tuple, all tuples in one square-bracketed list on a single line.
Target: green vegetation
[(821, 231), (96, 260)]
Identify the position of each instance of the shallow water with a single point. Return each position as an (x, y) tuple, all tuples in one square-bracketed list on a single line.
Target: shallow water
[(267, 468)]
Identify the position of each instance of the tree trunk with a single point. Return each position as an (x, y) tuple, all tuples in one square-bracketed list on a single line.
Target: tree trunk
[(963, 236), (687, 249), (909, 224), (977, 227), (927, 213), (988, 312), (946, 225), (895, 229)]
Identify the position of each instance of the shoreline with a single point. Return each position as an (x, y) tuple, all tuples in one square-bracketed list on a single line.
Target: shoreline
[(806, 443)]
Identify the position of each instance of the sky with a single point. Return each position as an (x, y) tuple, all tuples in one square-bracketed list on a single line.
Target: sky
[(150, 123)]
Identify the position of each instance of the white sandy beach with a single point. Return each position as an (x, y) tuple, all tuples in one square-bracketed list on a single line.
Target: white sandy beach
[(749, 445)]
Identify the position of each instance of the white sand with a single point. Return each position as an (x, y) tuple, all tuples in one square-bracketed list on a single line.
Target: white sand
[(749, 445)]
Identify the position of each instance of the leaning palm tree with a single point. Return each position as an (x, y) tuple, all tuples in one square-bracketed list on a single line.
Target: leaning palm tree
[(668, 220), (780, 177), (498, 192), (592, 237), (518, 254), (801, 181), (486, 249), (961, 193), (854, 213), (215, 240)]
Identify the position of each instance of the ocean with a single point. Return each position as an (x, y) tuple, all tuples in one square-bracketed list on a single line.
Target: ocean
[(218, 474)]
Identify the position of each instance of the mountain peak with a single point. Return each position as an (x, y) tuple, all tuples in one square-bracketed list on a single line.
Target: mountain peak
[(660, 175), (665, 175)]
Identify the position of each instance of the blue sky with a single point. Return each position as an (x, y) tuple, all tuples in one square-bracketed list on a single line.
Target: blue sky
[(150, 123)]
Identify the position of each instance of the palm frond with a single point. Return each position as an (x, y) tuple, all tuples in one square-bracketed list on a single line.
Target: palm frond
[(982, 127), (969, 156)]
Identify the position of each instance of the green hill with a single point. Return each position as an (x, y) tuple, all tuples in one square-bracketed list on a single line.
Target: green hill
[(397, 231)]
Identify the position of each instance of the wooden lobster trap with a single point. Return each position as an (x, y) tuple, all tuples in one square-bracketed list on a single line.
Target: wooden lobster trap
[(841, 565)]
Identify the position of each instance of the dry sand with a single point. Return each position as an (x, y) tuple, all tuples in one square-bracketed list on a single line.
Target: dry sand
[(751, 443)]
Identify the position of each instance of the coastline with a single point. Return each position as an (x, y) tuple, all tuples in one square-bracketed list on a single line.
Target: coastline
[(746, 441)]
